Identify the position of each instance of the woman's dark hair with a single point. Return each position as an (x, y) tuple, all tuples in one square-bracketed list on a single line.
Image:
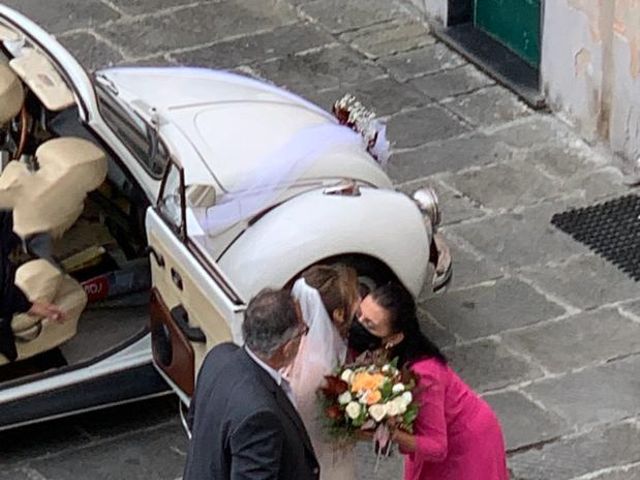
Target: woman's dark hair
[(401, 306)]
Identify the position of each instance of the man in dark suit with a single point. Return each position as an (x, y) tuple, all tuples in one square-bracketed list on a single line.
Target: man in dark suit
[(243, 421)]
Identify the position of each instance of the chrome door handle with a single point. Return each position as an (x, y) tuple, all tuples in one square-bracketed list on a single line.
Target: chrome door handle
[(154, 253), (176, 278)]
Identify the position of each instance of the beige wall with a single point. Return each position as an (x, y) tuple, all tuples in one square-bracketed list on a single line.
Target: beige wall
[(625, 109), (590, 68), (433, 9)]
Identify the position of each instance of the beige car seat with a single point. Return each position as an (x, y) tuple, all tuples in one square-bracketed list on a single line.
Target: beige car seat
[(52, 198), (11, 94), (40, 280)]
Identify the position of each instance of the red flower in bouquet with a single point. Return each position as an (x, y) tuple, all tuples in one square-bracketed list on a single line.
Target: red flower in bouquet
[(334, 412), (334, 386)]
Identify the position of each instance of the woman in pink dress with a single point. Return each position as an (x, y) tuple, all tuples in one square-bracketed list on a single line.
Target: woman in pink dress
[(456, 435)]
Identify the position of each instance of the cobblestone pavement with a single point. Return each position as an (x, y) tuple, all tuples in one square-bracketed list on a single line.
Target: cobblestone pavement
[(547, 331)]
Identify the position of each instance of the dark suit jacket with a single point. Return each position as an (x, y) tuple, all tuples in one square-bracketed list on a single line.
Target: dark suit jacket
[(12, 299), (243, 424)]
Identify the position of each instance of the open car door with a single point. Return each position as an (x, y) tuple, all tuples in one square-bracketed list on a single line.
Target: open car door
[(193, 306)]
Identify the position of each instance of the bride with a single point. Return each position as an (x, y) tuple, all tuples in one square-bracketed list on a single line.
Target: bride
[(328, 297)]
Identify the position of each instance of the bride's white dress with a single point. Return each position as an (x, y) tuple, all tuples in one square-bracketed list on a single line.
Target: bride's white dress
[(321, 351)]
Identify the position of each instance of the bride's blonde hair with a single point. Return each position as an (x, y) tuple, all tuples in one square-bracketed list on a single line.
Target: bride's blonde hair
[(337, 285)]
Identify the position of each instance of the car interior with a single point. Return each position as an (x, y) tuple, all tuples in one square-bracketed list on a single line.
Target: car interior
[(80, 218)]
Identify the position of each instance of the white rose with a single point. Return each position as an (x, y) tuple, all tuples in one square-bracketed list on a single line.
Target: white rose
[(344, 398), (363, 398), (346, 375), (353, 410), (407, 398), (398, 388), (378, 411), (386, 368), (393, 408), (402, 407)]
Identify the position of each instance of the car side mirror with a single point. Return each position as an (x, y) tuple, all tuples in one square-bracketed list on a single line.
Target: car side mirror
[(201, 196)]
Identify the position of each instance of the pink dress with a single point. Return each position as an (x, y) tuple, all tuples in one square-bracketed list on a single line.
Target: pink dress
[(458, 437)]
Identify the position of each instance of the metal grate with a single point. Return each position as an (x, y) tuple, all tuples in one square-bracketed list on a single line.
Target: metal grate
[(611, 229)]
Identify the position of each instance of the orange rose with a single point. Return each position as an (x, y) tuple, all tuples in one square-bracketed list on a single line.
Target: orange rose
[(373, 397), (366, 381)]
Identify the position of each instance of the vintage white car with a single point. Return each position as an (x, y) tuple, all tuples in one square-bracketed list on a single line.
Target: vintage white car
[(214, 186)]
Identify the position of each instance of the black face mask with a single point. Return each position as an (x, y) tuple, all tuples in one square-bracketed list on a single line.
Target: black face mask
[(360, 339)]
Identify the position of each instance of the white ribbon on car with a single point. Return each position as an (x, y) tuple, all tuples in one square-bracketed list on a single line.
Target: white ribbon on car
[(282, 167)]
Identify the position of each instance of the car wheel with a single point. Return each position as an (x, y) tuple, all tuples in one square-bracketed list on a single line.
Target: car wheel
[(371, 272)]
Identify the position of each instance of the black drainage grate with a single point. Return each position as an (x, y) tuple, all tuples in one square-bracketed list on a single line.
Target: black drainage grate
[(611, 229)]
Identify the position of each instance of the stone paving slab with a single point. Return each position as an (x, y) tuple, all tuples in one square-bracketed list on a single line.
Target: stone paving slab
[(573, 457), (600, 281), (487, 365), (504, 186), (470, 269), (447, 120), (632, 307), (488, 106), (434, 331), (536, 133), (385, 96), (578, 340), (421, 61), (620, 473), (598, 185), (339, 16), (57, 16), (414, 128), (521, 238), (495, 144), (489, 309), (277, 43), (20, 446), (92, 52), (389, 38), (23, 473), (601, 394), (59, 437), (525, 423), (451, 83), (126, 457), (203, 23), (447, 156), (334, 67), (455, 207), (137, 7), (559, 160)]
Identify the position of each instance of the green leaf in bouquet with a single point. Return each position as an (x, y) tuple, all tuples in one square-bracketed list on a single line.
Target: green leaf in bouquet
[(386, 390), (409, 417)]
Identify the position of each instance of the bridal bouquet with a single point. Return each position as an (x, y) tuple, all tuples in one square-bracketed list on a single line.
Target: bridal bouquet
[(375, 397)]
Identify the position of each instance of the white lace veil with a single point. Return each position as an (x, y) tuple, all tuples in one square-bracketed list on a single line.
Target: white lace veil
[(323, 348)]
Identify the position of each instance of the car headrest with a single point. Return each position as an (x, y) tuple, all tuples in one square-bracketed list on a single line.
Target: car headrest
[(11, 94)]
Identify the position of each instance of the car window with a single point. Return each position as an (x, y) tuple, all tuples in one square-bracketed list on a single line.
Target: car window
[(134, 133)]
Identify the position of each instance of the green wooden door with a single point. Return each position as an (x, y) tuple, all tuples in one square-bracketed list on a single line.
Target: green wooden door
[(514, 23)]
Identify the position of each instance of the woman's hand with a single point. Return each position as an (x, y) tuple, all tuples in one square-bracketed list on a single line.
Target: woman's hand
[(365, 435), (47, 310)]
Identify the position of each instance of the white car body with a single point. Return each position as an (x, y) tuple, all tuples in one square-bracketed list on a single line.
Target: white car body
[(217, 126)]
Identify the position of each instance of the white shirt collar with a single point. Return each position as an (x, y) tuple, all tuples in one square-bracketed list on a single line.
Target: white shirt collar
[(276, 375)]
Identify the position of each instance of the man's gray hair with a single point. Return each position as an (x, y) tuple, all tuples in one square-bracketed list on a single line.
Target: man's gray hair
[(270, 321)]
